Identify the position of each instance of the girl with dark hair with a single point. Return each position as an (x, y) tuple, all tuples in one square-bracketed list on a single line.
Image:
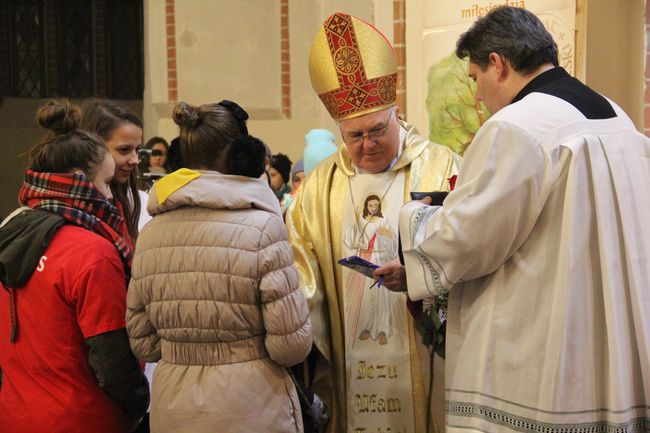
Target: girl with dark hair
[(64, 263), (216, 250), (280, 173), (121, 129)]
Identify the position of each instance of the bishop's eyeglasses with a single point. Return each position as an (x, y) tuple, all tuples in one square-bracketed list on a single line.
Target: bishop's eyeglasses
[(358, 137)]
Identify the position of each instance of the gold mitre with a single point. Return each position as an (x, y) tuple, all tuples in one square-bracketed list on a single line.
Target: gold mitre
[(353, 67)]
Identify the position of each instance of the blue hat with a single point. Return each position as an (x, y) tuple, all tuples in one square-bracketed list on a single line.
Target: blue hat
[(320, 145)]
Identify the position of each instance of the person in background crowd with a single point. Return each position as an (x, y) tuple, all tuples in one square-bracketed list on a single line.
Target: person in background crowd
[(385, 157), (297, 175), (156, 161), (319, 144), (268, 156), (64, 352), (216, 252), (121, 129), (543, 248), (280, 175), (153, 162)]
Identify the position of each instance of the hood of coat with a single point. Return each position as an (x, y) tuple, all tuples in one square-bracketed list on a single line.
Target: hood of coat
[(24, 237), (211, 189)]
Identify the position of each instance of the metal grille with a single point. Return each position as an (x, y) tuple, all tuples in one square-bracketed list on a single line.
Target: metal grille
[(74, 51), (5, 58), (28, 73), (72, 48), (124, 42)]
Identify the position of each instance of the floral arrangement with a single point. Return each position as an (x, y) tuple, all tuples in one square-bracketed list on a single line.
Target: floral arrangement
[(430, 319)]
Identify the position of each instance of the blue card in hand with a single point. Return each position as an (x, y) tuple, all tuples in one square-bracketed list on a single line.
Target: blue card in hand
[(361, 265)]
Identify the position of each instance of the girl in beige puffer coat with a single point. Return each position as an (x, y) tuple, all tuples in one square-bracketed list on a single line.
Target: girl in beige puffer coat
[(214, 294)]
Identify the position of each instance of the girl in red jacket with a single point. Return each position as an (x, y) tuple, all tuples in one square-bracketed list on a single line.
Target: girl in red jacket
[(64, 353)]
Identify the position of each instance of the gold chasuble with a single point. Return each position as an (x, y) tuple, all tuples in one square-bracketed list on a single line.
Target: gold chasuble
[(376, 369)]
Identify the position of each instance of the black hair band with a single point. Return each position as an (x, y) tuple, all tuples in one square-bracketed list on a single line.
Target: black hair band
[(240, 114)]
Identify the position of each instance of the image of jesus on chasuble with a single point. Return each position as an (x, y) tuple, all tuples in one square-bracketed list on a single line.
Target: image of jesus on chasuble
[(373, 370), (372, 238)]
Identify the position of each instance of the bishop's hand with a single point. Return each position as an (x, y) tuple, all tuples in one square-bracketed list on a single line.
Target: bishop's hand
[(393, 274)]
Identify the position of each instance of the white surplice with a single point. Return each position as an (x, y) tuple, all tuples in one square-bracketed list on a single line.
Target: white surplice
[(544, 249)]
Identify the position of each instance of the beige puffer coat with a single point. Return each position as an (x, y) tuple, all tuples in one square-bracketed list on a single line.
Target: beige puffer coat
[(214, 296)]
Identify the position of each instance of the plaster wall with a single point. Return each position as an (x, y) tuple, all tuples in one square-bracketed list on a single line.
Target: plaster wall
[(231, 50), (615, 53)]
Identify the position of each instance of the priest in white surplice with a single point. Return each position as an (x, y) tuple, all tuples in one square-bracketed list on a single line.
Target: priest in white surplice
[(543, 248)]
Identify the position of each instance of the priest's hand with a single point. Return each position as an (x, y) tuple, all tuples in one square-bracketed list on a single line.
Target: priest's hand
[(393, 274)]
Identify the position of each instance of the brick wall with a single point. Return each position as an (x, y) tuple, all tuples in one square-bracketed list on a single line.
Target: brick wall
[(172, 82), (399, 38)]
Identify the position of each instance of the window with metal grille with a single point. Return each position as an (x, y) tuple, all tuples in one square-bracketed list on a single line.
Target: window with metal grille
[(71, 48)]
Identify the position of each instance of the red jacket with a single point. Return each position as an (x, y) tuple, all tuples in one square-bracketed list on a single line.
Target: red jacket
[(76, 292)]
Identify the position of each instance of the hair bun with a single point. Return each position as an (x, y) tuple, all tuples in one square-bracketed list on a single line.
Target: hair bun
[(61, 117), (186, 115), (247, 156)]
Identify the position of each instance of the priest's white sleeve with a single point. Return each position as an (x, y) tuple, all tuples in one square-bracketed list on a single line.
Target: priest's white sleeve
[(422, 276), (504, 181)]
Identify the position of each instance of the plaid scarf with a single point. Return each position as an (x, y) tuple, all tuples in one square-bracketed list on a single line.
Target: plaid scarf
[(73, 197)]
